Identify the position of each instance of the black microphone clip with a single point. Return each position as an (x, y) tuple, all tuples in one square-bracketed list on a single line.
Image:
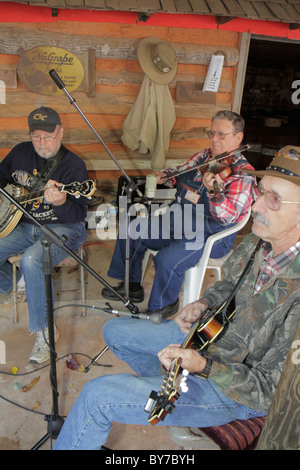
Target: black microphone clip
[(57, 79), (155, 318)]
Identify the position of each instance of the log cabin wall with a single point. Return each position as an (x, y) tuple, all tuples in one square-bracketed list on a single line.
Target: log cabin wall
[(118, 78)]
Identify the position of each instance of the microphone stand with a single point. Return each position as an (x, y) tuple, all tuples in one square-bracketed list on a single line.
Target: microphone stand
[(55, 421), (131, 184)]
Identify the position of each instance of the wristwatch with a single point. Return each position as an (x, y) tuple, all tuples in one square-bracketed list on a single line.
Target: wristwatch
[(206, 371)]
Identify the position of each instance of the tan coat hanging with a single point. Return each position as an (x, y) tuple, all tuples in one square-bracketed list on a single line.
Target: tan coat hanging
[(150, 121)]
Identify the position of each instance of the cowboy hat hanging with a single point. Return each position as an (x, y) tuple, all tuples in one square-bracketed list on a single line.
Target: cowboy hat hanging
[(157, 59)]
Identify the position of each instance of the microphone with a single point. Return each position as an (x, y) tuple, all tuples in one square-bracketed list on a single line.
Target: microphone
[(57, 79), (155, 318), (150, 188)]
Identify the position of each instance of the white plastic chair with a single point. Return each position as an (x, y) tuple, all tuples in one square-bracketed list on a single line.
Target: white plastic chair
[(194, 277)]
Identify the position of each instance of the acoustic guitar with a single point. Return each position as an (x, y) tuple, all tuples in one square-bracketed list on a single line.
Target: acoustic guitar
[(10, 215), (203, 333)]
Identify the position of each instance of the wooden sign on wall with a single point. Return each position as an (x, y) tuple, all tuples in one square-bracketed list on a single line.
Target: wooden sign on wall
[(35, 64), (190, 92)]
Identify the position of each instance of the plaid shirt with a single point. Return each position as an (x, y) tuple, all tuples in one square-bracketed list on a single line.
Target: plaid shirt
[(271, 266), (236, 192)]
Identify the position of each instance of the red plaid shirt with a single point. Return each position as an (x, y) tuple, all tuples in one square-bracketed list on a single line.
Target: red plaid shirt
[(272, 265), (237, 188)]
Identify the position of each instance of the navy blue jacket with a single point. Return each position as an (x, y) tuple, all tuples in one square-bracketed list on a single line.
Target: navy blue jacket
[(21, 165)]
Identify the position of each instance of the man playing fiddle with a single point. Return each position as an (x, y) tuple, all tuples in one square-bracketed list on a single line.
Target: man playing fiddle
[(196, 188)]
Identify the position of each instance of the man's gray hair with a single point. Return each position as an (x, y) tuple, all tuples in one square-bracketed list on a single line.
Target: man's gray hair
[(237, 120)]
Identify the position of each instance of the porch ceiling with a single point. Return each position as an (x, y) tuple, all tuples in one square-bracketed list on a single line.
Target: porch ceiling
[(287, 11)]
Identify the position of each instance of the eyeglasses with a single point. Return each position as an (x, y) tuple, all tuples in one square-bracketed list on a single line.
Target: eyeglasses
[(273, 202), (220, 135), (47, 138)]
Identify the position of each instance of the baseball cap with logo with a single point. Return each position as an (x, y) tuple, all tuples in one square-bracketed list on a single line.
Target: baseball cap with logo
[(44, 119), (157, 59), (285, 165)]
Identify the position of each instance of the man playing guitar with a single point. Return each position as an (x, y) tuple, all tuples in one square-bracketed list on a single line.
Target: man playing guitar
[(42, 163), (235, 376)]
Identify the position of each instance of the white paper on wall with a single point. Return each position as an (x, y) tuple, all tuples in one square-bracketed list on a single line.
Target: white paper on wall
[(213, 76), (2, 92)]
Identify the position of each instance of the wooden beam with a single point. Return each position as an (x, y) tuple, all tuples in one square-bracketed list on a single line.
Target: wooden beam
[(105, 47), (9, 76)]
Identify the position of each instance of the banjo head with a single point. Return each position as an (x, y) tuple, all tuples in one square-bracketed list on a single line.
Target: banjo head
[(9, 214)]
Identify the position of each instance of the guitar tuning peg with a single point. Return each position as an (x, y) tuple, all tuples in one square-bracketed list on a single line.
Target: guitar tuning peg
[(77, 196), (185, 372), (184, 388)]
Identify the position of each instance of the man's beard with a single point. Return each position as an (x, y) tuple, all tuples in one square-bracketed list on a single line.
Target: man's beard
[(45, 152)]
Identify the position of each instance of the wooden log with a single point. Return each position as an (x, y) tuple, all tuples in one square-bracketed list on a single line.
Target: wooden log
[(176, 34), (187, 92), (9, 76), (14, 36), (98, 159), (20, 103), (77, 132), (122, 74)]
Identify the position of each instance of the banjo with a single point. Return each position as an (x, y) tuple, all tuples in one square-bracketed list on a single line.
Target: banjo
[(10, 215)]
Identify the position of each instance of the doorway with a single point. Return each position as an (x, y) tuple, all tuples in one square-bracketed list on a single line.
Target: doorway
[(271, 113)]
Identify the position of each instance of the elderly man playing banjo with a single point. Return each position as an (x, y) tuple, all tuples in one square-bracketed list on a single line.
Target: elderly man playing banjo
[(42, 163)]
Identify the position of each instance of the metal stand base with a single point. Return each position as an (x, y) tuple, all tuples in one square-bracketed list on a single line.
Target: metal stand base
[(54, 428)]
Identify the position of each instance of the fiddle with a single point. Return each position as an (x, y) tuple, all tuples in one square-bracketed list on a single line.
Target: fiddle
[(219, 165), (211, 162), (221, 168)]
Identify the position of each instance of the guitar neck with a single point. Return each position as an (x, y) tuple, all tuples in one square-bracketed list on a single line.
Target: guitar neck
[(202, 333), (34, 196), (30, 197)]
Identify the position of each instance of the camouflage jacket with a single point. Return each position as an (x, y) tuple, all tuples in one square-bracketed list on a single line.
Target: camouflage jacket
[(248, 357)]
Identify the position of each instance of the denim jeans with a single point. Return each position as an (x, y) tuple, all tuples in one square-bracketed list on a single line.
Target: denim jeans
[(122, 397), (26, 238), (171, 262)]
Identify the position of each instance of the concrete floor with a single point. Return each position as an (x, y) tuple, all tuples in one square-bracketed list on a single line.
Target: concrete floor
[(21, 429)]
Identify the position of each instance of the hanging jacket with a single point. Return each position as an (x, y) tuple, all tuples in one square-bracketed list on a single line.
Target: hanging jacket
[(148, 126)]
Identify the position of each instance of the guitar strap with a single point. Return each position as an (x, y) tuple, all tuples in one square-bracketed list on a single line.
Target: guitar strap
[(48, 169), (231, 298)]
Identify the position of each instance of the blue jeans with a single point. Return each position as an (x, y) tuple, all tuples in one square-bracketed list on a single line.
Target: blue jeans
[(26, 238), (122, 397), (171, 262)]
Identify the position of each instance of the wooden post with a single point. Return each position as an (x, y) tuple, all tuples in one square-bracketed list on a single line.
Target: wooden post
[(281, 430)]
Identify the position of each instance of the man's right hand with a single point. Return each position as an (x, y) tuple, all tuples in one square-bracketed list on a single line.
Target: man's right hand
[(189, 314)]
